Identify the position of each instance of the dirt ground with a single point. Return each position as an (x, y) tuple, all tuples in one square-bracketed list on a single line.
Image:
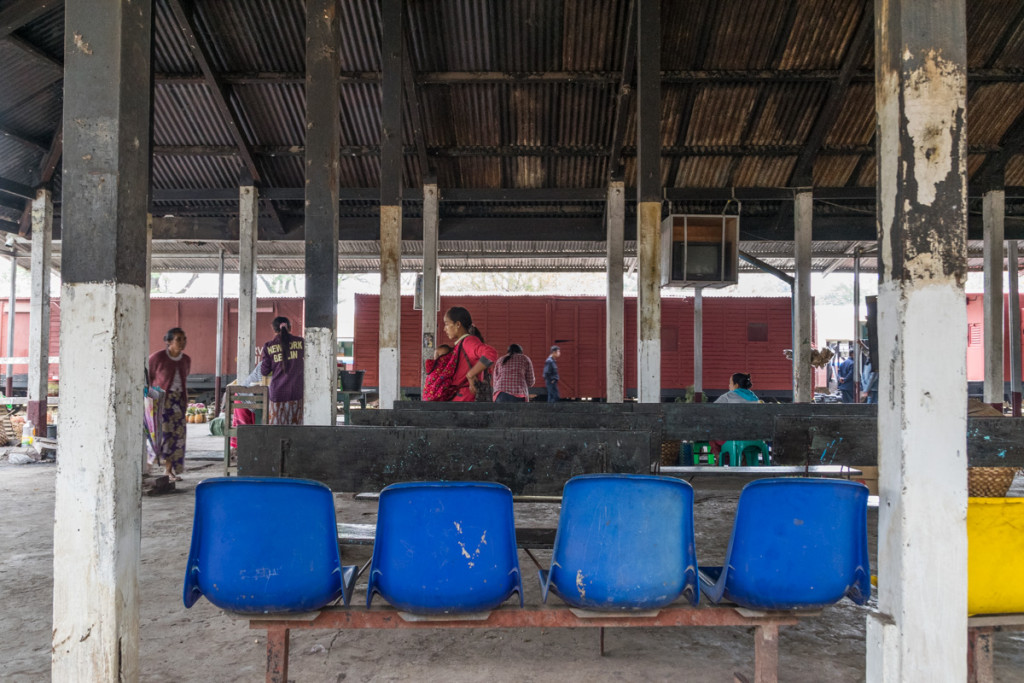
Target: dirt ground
[(204, 644)]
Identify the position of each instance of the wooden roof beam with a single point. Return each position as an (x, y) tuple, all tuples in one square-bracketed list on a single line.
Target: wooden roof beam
[(624, 93), (186, 22), (803, 171), (23, 12)]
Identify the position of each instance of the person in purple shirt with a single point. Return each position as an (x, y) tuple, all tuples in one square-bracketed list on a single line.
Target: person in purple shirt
[(283, 359)]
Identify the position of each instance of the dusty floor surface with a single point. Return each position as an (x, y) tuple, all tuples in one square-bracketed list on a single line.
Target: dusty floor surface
[(203, 644)]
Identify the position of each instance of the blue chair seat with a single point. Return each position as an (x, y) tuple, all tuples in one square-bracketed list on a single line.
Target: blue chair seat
[(796, 544), (445, 548), (265, 545), (624, 542)]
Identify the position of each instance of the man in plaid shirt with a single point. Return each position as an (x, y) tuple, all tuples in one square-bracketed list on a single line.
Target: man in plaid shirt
[(513, 376)]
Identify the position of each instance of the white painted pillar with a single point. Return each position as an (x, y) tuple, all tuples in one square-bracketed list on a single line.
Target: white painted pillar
[(248, 234), (1013, 324), (994, 205), (918, 630), (39, 316), (12, 310), (803, 377), (428, 337), (698, 343), (390, 304), (614, 331), (97, 531), (648, 313)]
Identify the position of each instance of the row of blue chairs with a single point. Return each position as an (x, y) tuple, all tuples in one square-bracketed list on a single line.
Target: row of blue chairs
[(623, 543)]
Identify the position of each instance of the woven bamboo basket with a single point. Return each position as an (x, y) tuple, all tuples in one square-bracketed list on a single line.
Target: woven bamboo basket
[(670, 452), (989, 482)]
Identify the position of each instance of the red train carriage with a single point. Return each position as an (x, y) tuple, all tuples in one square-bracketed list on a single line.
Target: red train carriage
[(740, 334)]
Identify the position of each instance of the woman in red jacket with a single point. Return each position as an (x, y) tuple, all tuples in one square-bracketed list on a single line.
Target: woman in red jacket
[(474, 356), (169, 369)]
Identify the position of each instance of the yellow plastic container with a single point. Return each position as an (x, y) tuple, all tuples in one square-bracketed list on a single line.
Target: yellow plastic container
[(995, 555)]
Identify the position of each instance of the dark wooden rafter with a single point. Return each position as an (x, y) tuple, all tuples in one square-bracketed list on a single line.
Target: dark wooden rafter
[(648, 102), (391, 161), (624, 94), (8, 131), (47, 169), (1000, 43), (862, 162), (778, 51), (23, 12), (412, 93), (864, 34), (991, 174), (55, 65), (17, 189), (184, 15), (671, 77)]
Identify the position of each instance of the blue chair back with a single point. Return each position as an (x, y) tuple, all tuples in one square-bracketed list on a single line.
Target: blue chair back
[(445, 548), (796, 544), (263, 545), (624, 542)]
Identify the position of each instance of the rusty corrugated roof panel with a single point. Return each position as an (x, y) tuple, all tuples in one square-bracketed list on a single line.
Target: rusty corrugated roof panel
[(992, 109), (764, 171), (185, 114), (742, 35), (788, 113), (856, 121), (834, 170), (821, 32), (720, 113), (254, 35)]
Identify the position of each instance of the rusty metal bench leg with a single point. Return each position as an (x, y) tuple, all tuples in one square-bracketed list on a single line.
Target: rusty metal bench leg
[(766, 653), (277, 655), (979, 656)]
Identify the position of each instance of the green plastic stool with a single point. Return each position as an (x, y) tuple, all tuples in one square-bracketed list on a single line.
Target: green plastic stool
[(702, 448), (739, 452)]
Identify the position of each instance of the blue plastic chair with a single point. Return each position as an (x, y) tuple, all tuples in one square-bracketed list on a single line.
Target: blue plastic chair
[(624, 542), (796, 544), (264, 545), (445, 548)]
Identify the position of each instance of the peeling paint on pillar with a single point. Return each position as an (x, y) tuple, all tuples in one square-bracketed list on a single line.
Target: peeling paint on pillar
[(390, 304), (320, 376), (649, 302), (920, 100), (98, 484)]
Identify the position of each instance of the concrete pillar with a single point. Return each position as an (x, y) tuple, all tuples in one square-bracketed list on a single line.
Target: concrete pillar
[(698, 344), (147, 305), (12, 309), (803, 313), (430, 277), (39, 316), (391, 170), (917, 631), (97, 528), (219, 357), (994, 205), (323, 135), (615, 356), (1013, 324), (248, 234), (649, 195)]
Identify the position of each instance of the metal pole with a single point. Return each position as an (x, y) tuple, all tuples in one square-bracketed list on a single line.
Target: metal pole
[(698, 344), (12, 305), (1013, 325), (856, 324), (219, 367)]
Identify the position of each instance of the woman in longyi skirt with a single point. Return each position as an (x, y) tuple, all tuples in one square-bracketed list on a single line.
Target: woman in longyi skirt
[(169, 369)]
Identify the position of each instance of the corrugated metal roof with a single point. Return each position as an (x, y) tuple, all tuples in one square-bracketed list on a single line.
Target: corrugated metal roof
[(521, 96)]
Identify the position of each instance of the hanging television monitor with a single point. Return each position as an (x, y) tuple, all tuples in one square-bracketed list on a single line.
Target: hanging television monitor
[(699, 250)]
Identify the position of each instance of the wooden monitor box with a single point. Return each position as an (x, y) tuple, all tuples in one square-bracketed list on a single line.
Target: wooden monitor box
[(699, 251)]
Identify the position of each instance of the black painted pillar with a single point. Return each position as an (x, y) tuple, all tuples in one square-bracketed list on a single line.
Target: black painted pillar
[(323, 132), (97, 529)]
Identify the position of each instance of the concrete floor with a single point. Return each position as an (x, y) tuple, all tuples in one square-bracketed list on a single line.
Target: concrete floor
[(204, 644)]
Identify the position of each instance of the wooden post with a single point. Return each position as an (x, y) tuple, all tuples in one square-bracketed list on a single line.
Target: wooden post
[(766, 653), (649, 195), (615, 359), (219, 362), (994, 205), (277, 655), (1013, 324), (97, 528), (12, 309), (430, 277), (920, 95), (39, 316), (248, 229), (803, 376), (698, 344), (323, 135), (391, 170)]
